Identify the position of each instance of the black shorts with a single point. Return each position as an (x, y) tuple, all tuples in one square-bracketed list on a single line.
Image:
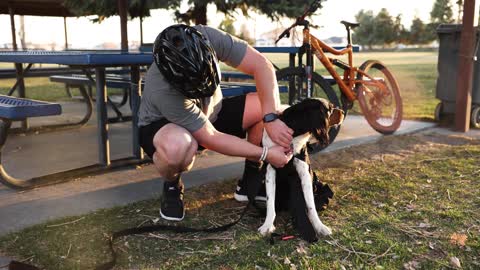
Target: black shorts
[(229, 120)]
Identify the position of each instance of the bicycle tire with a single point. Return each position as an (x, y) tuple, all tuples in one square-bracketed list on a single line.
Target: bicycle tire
[(383, 113), (322, 89)]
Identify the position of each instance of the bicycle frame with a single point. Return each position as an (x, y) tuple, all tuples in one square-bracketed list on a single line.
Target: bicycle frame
[(348, 82)]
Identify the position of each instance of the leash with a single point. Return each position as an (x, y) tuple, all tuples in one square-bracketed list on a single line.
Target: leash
[(16, 265), (155, 228), (252, 190)]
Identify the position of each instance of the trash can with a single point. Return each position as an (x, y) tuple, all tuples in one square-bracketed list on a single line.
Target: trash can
[(446, 90)]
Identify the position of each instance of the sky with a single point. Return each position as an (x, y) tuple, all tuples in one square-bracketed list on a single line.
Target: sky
[(84, 34)]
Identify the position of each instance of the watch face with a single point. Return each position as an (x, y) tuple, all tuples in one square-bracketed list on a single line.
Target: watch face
[(270, 117)]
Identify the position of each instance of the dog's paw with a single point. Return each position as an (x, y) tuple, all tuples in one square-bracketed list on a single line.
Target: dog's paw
[(323, 230), (266, 229)]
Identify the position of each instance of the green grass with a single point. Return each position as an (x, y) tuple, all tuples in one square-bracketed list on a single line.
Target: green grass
[(398, 201), (38, 88)]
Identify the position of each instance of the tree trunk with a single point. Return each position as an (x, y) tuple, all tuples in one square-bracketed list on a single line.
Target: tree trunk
[(22, 33), (465, 69), (200, 14), (122, 11)]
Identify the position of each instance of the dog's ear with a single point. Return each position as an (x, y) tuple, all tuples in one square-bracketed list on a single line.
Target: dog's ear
[(302, 117), (336, 117), (327, 116)]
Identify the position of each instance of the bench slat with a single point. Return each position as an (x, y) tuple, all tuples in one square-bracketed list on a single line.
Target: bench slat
[(14, 108)]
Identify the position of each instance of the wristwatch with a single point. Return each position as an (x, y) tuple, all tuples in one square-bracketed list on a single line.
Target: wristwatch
[(270, 117)]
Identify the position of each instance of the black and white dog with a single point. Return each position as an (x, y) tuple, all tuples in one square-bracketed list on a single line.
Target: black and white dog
[(294, 184)]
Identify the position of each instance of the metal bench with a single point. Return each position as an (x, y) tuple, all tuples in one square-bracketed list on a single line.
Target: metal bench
[(228, 88), (11, 73), (13, 108), (112, 81), (79, 81)]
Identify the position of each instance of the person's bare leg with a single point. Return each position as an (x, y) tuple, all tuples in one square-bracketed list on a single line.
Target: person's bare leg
[(252, 122), (252, 119), (175, 153), (252, 174)]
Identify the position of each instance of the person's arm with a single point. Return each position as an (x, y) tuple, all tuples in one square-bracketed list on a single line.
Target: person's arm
[(254, 63), (226, 144), (238, 54)]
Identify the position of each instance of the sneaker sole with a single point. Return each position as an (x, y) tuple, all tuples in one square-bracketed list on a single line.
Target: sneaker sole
[(244, 198), (171, 218)]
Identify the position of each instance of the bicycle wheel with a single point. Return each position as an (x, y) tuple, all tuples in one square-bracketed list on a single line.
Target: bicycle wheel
[(294, 79), (381, 106)]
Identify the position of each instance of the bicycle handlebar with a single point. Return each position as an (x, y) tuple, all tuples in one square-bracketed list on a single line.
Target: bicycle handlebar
[(313, 7)]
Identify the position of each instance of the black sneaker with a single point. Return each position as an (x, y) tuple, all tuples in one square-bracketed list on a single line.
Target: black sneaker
[(252, 172), (171, 203)]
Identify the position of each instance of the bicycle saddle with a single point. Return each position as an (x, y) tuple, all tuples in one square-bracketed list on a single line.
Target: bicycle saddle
[(350, 25)]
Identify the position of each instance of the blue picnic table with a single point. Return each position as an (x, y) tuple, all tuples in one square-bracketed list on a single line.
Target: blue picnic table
[(98, 61)]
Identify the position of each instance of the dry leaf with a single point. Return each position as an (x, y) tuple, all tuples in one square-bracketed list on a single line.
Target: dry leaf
[(455, 262), (413, 265), (458, 239), (302, 249), (410, 207)]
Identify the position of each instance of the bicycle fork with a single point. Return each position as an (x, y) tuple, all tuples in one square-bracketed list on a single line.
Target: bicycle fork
[(308, 73), (309, 70)]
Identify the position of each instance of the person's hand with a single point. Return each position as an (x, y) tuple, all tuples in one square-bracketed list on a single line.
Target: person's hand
[(280, 133), (277, 157)]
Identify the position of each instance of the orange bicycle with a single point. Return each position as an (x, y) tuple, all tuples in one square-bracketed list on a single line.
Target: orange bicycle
[(372, 84)]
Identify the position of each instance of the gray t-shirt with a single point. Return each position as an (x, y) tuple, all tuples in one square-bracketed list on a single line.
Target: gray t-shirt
[(161, 100)]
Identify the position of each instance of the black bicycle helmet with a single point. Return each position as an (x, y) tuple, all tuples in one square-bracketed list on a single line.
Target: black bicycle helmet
[(187, 60)]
